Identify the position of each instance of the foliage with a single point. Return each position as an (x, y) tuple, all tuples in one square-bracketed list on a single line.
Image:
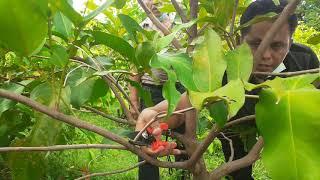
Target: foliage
[(66, 60), (303, 35)]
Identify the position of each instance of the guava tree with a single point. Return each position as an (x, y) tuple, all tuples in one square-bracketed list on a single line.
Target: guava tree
[(55, 60)]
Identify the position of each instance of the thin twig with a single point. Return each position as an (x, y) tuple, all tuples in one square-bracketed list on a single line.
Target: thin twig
[(231, 146), (56, 115), (112, 172), (158, 24), (116, 119), (288, 74), (61, 147), (252, 96), (179, 10), (7, 79), (109, 79), (234, 17), (211, 136), (203, 28), (232, 166), (120, 99), (193, 15)]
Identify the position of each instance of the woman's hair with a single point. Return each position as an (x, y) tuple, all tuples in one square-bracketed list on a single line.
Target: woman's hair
[(261, 7)]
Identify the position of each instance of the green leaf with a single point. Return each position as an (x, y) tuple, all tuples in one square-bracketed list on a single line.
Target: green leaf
[(82, 92), (163, 42), (100, 89), (240, 63), (43, 93), (87, 89), (182, 65), (259, 18), (219, 112), (6, 104), (169, 90), (116, 43), (62, 25), (208, 63), (314, 40), (142, 93), (59, 56), (170, 93), (232, 93), (105, 61), (280, 84), (97, 11), (64, 7), (131, 26), (23, 25), (119, 4), (290, 129), (144, 53), (276, 2), (220, 9)]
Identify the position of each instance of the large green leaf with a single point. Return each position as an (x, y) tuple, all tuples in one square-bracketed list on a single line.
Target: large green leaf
[(240, 63), (23, 25), (232, 93), (62, 25), (116, 43), (208, 63), (131, 26), (290, 129)]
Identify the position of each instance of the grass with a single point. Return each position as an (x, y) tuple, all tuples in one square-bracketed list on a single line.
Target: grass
[(74, 163)]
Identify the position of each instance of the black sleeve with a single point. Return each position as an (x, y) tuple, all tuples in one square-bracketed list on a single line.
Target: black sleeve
[(314, 61)]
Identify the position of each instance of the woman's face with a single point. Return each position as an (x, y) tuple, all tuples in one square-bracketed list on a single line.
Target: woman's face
[(277, 50)]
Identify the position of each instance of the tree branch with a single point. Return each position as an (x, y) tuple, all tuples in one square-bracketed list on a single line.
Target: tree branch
[(231, 146), (158, 24), (232, 166), (288, 10), (61, 147), (234, 17), (120, 99), (116, 119), (211, 136), (193, 15), (179, 10), (110, 79), (112, 172), (288, 74), (84, 125)]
